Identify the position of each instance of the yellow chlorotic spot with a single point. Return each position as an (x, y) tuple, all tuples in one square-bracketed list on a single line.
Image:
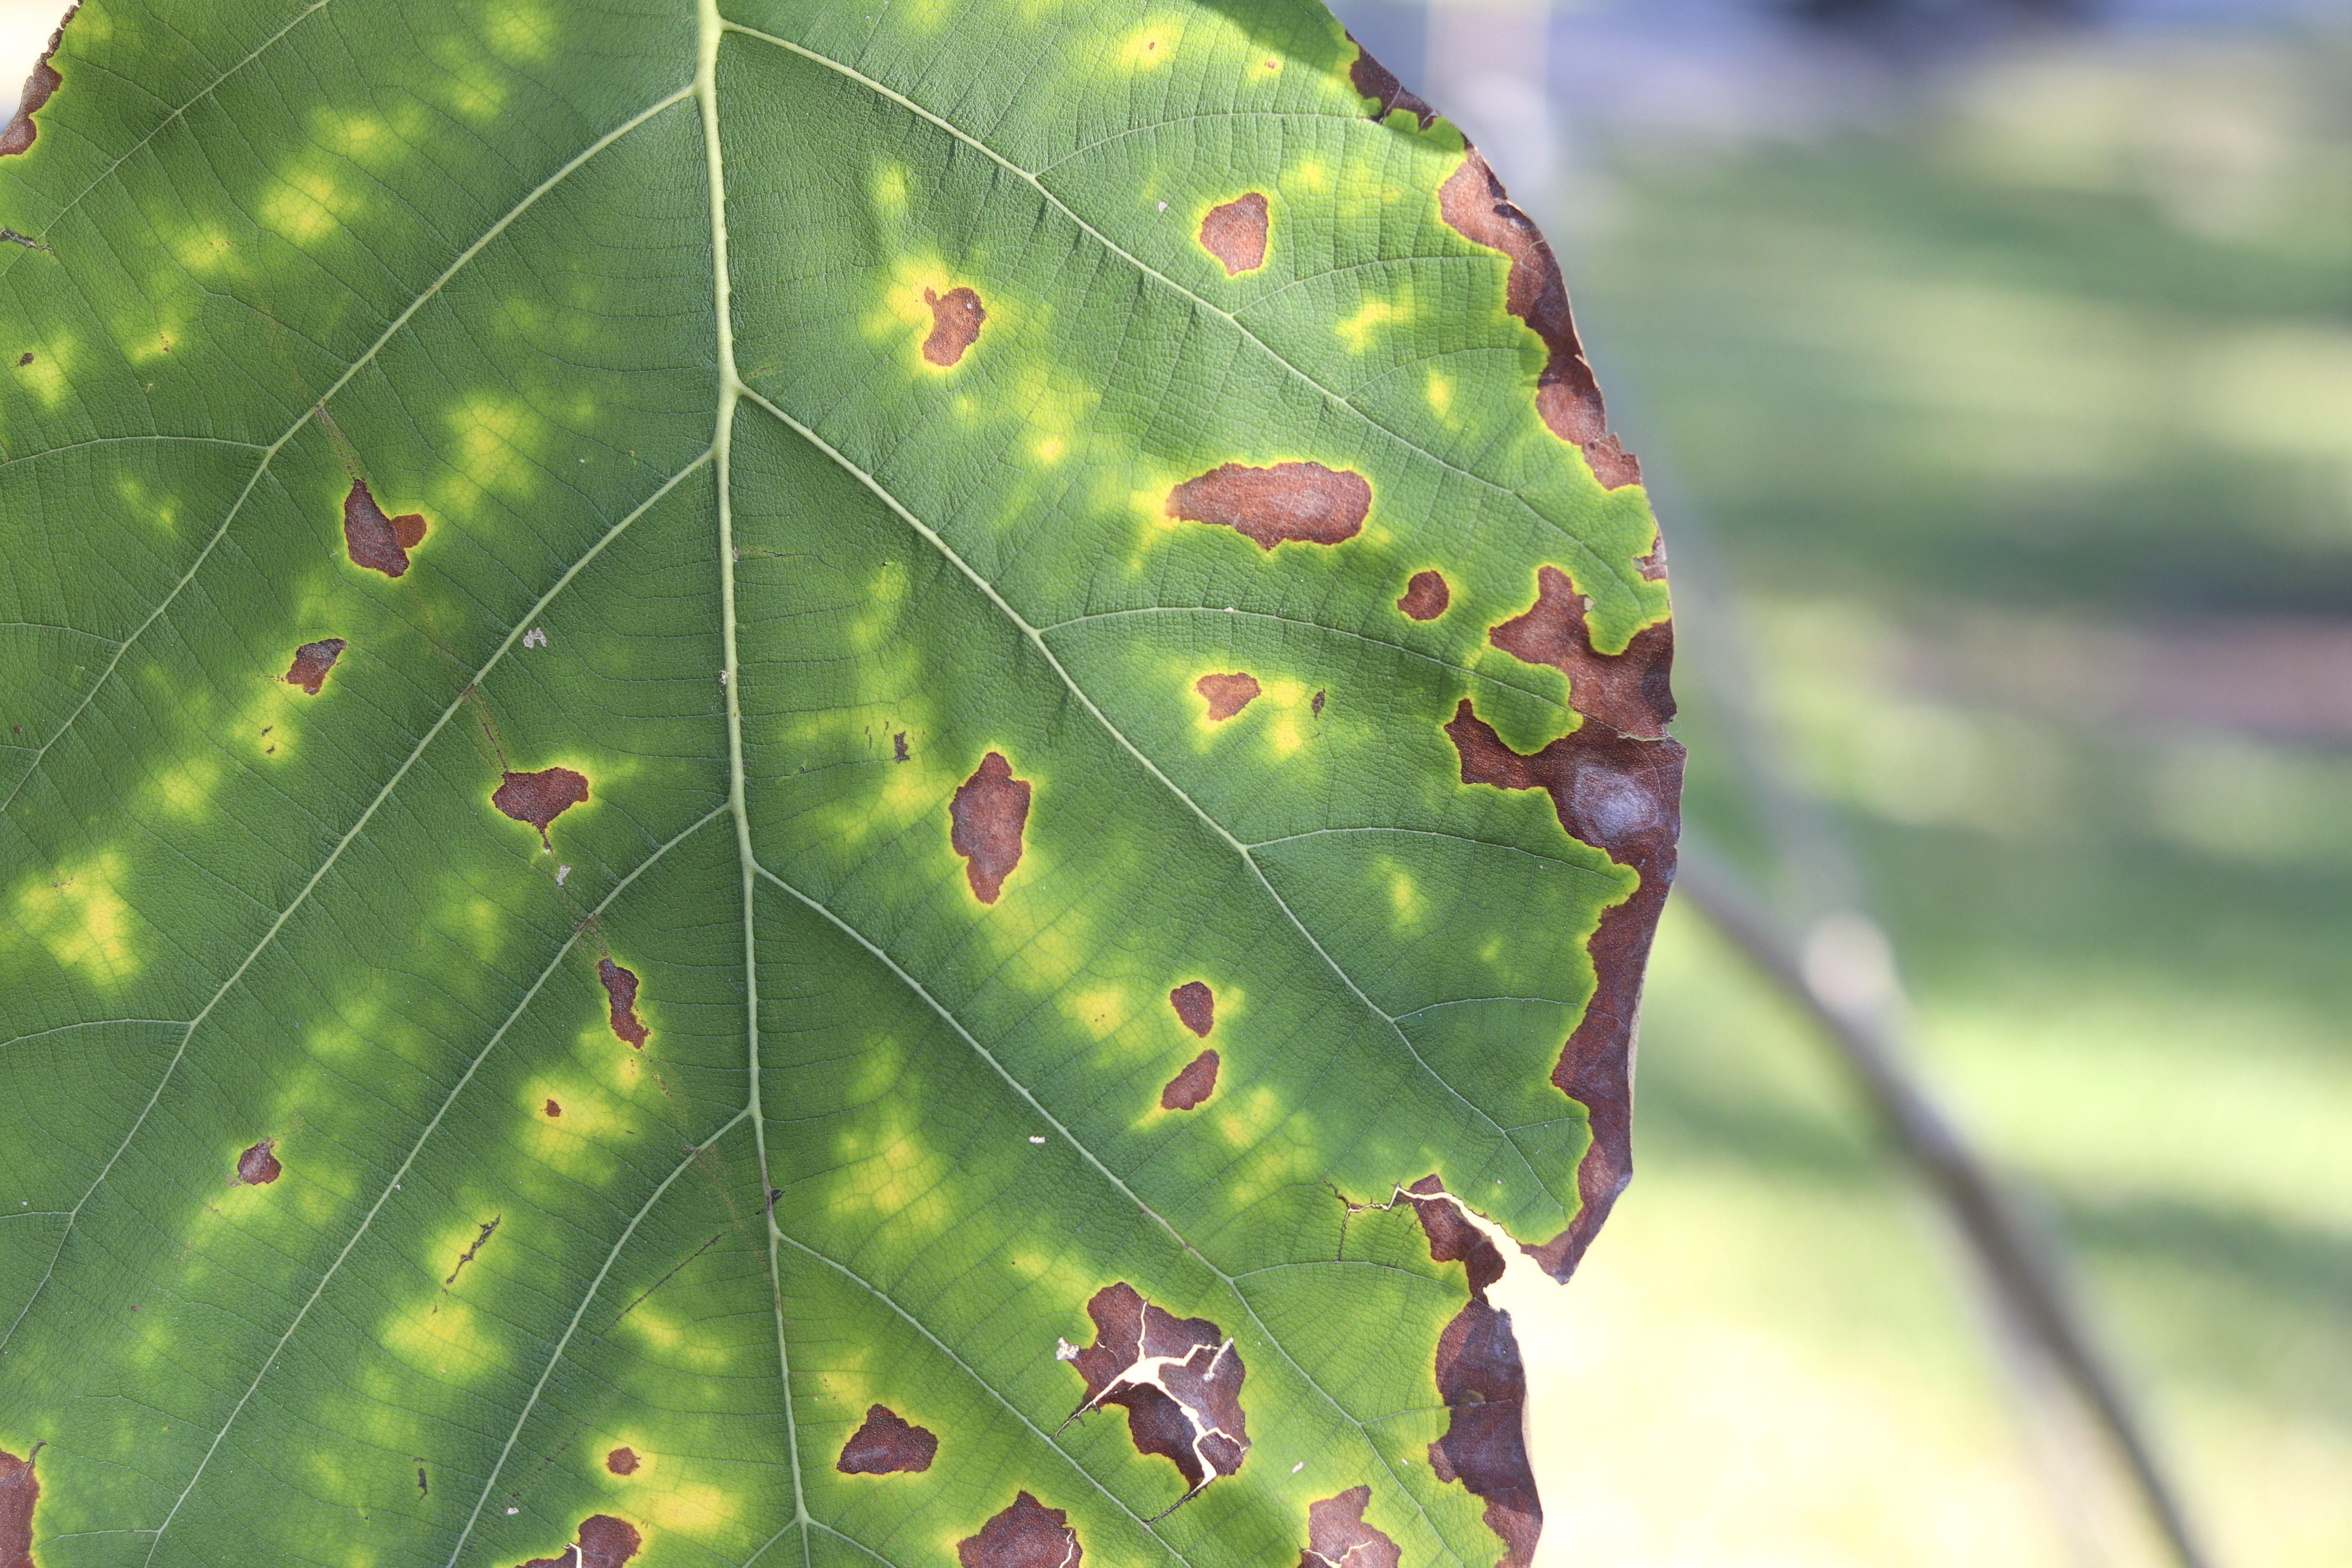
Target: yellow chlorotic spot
[(1029, 1265), (46, 376), (1149, 48), (1357, 329), (1049, 451), (1404, 895), (887, 1171), (698, 1508), (517, 31), (497, 440), (1098, 1011), (442, 1339), (303, 205), (202, 250), (1441, 394), (181, 787), (890, 191), (81, 918), (1245, 1119), (1312, 175)]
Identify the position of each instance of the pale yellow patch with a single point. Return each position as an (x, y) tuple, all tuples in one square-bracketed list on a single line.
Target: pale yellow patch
[(497, 440), (441, 1337), (82, 918), (1405, 900), (1307, 175), (889, 1171), (576, 1143), (181, 786), (1246, 1117), (1151, 46), (478, 924), (1029, 1265), (1100, 1011), (882, 613), (470, 85), (1054, 406), (1357, 330), (1440, 394), (518, 31), (1049, 451), (889, 192), (203, 251), (46, 377), (697, 1508), (304, 203)]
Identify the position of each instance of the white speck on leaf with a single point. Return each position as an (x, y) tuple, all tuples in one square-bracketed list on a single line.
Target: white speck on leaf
[(1034, 1139), (535, 638), (722, 678), (1163, 206), (1064, 1351), (561, 872), (1299, 1466)]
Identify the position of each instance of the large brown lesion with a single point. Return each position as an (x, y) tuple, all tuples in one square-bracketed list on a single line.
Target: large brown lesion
[(603, 1541), (1024, 1534), (1227, 693), (22, 132), (20, 1489), (1568, 394), (312, 662), (621, 1002), (1304, 504), (539, 798), (1632, 693), (956, 319), (1622, 795), (1180, 1378), (1377, 83), (988, 817), (1235, 233), (1425, 595), (1482, 1382), (1190, 1089), (1338, 1537), (378, 543), (887, 1444)]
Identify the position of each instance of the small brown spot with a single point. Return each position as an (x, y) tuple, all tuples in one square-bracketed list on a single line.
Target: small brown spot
[(1623, 796), (1180, 1378), (1653, 565), (1318, 704), (620, 1461), (604, 1542), (898, 745), (539, 798), (553, 1109), (312, 662), (1377, 83), (1236, 233), (1336, 1527), (1632, 693), (1305, 502), (257, 1167), (1027, 1534), (20, 1490), (1189, 1088), (1196, 1005), (378, 543), (956, 316), (621, 993), (989, 813), (886, 1445), (22, 132), (1425, 597), (481, 1239), (25, 361), (1226, 694), (1568, 394)]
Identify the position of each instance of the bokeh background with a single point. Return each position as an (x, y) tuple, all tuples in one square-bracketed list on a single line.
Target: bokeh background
[(1991, 362)]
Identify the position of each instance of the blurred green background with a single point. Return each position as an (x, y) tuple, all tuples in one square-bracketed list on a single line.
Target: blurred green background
[(1992, 365)]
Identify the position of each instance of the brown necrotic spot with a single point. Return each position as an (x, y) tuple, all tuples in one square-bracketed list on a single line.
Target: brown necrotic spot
[(1196, 1005), (20, 1490), (1452, 1238), (604, 1542), (1236, 233), (312, 662), (956, 316), (539, 798), (1189, 1088), (553, 1109), (1485, 1387), (1180, 1378), (989, 813), (1338, 1537), (1289, 503), (887, 1444), (1027, 1534), (1425, 597), (1226, 695), (1632, 693), (621, 1461), (1568, 395), (21, 133), (258, 1166), (378, 543), (621, 994), (1377, 83), (1623, 796)]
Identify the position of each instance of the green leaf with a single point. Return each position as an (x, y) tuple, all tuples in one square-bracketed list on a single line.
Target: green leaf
[(732, 742)]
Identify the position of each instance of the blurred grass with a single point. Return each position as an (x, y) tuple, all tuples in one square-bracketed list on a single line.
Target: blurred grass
[(2017, 417)]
